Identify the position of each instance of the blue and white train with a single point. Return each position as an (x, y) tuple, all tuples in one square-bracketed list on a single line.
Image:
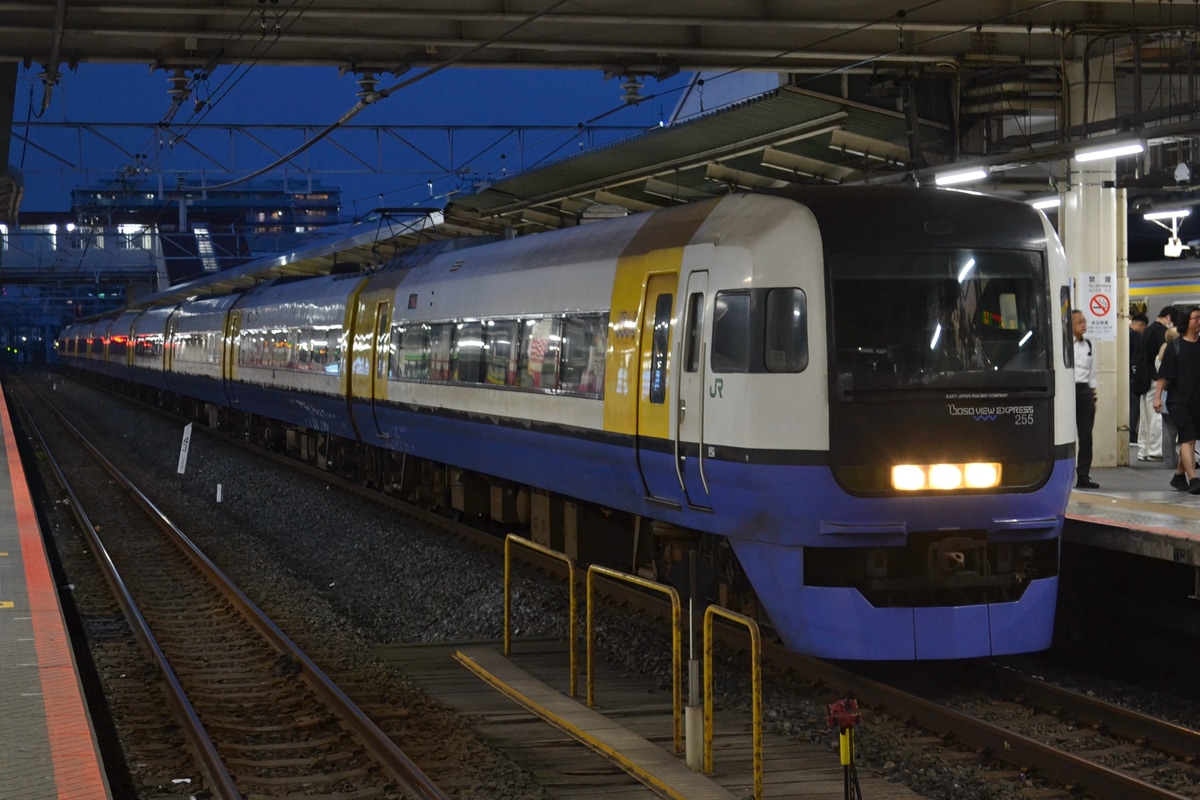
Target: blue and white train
[(856, 404)]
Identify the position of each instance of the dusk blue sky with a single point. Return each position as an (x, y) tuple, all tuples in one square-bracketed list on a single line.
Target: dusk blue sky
[(317, 97)]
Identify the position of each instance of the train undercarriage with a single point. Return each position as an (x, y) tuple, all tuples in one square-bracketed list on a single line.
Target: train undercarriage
[(585, 532)]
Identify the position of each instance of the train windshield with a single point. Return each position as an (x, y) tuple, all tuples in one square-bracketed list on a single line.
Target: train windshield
[(942, 319)]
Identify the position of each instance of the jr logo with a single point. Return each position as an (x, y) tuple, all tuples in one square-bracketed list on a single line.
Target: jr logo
[(715, 389)]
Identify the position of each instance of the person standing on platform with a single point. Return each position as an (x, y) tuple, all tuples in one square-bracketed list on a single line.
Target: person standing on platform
[(1150, 431), (1085, 400), (1179, 376), (1139, 373), (1169, 442)]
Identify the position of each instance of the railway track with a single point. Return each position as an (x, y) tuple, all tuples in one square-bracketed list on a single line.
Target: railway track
[(260, 717), (1097, 750)]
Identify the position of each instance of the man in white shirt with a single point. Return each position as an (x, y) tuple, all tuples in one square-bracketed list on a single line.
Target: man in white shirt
[(1085, 401)]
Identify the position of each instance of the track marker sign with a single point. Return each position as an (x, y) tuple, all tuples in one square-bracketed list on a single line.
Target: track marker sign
[(183, 448)]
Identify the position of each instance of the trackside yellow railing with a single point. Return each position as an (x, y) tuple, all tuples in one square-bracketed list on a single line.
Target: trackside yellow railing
[(512, 539), (756, 690), (676, 637)]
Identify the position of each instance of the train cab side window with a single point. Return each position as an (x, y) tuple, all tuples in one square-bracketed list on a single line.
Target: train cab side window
[(695, 330), (786, 345), (584, 342), (1064, 311), (731, 332)]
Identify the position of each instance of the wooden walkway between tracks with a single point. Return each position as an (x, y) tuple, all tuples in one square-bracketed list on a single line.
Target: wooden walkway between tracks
[(579, 752)]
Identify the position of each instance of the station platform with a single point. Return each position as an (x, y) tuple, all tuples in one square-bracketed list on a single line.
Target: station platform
[(1135, 511), (521, 704), (48, 746)]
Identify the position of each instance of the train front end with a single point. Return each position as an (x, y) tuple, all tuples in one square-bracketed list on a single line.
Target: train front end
[(951, 435)]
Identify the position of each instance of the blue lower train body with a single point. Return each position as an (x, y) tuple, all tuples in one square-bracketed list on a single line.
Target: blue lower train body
[(771, 514)]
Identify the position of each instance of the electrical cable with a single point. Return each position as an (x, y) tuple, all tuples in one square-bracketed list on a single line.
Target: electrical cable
[(382, 94)]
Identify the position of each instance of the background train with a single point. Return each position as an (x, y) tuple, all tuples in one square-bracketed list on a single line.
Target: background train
[(855, 404), (1154, 285)]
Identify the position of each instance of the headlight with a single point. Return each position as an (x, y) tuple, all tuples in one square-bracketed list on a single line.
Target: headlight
[(982, 476), (945, 477), (908, 477)]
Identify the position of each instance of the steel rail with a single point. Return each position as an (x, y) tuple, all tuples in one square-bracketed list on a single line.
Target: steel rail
[(393, 760), (994, 741), (1166, 737), (220, 782)]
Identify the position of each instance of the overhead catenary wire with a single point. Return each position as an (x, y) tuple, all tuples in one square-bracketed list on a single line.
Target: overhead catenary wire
[(240, 70), (382, 94)]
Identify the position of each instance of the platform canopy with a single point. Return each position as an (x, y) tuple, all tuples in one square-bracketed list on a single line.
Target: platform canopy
[(867, 90)]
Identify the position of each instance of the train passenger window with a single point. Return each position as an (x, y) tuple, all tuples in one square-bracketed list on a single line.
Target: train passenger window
[(279, 348), (187, 346), (537, 359), (731, 332), (660, 346), (584, 342), (786, 345), (303, 357), (501, 351), (411, 353), (695, 330), (327, 349), (441, 337), (292, 348), (468, 358), (311, 350)]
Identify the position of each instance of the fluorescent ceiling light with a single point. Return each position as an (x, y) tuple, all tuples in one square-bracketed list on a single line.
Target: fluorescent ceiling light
[(1179, 212), (960, 176), (1047, 202), (1111, 150)]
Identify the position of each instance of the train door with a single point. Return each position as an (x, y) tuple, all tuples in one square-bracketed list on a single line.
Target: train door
[(229, 354), (169, 350), (689, 420), (381, 350), (654, 441)]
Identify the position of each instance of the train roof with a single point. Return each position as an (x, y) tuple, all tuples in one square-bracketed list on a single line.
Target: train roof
[(864, 217)]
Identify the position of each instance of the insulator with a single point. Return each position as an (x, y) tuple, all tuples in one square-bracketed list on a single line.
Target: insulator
[(366, 84), (632, 90), (179, 84)]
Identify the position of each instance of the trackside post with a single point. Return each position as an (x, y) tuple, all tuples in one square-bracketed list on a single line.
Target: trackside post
[(513, 538), (756, 690), (676, 637)]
